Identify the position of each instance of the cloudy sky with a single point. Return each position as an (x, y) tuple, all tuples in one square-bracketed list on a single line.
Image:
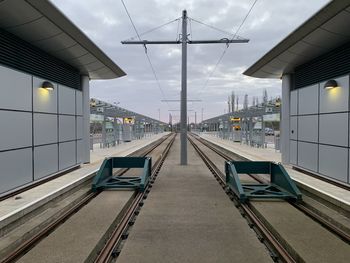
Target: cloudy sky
[(106, 23)]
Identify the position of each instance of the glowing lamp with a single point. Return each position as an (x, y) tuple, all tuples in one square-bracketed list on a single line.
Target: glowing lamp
[(47, 85), (330, 84)]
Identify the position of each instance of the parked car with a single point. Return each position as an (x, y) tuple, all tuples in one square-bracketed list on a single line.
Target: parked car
[(269, 131)]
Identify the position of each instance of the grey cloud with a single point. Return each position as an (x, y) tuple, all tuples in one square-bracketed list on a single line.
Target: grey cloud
[(106, 23)]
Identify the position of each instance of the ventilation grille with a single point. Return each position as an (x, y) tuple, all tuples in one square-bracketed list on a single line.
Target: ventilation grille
[(20, 55), (328, 66)]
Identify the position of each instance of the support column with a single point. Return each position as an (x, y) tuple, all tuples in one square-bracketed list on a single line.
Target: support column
[(183, 128), (85, 151), (285, 117)]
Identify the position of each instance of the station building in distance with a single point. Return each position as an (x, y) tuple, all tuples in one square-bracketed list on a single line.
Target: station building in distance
[(46, 63), (314, 65)]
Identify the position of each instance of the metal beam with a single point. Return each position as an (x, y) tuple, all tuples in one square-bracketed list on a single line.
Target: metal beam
[(146, 42), (224, 41), (180, 100)]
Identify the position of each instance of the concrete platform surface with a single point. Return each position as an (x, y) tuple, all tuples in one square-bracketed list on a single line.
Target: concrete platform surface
[(11, 209), (187, 217), (332, 193)]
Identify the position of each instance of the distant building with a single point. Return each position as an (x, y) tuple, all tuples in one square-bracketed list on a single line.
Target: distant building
[(314, 65), (46, 63)]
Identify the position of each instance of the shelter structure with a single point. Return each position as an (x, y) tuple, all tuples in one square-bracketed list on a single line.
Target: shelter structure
[(46, 63), (314, 65)]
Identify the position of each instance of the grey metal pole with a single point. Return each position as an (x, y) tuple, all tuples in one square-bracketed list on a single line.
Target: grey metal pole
[(195, 121), (183, 134)]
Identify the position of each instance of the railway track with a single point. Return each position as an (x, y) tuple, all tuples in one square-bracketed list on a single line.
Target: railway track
[(112, 247), (277, 245), (30, 243)]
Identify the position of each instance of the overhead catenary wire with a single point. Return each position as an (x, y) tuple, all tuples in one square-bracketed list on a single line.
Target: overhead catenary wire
[(228, 45), (155, 28), (210, 26), (148, 58)]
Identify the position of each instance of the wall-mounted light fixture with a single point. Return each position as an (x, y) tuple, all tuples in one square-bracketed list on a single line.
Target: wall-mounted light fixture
[(330, 84), (47, 85)]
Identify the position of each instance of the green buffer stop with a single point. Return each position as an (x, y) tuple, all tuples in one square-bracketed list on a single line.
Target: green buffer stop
[(105, 179), (281, 186)]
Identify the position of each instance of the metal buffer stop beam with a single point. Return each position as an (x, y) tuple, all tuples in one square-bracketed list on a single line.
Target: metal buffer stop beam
[(281, 186), (105, 179)]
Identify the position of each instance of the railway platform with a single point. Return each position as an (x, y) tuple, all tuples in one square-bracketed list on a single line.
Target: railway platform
[(14, 208), (337, 196)]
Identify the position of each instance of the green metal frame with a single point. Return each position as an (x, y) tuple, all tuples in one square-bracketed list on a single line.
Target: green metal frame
[(281, 186), (104, 178)]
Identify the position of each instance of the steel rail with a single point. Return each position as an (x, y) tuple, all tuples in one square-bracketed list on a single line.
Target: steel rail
[(107, 251), (23, 247), (262, 229), (300, 206)]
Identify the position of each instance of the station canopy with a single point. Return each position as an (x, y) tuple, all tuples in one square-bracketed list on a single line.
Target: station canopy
[(108, 110), (41, 24), (323, 32)]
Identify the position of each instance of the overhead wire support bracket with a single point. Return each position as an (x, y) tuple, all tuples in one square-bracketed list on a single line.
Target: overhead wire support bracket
[(146, 42), (224, 41)]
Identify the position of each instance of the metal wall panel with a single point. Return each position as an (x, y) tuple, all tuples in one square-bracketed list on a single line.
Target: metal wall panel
[(19, 54), (45, 160), (79, 127), (330, 65), (45, 129), (44, 100), (80, 151), (293, 152), (16, 169), (293, 128), (308, 100), (337, 99), (294, 102), (334, 162), (16, 90), (16, 130), (66, 128), (308, 155), (334, 129), (67, 154), (79, 102), (66, 100), (308, 128)]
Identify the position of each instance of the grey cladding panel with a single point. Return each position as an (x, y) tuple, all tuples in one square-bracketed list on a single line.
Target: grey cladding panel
[(79, 127), (334, 100), (334, 162), (334, 129), (45, 160), (66, 128), (308, 100), (16, 90), (307, 155), (44, 100), (293, 152), (307, 128), (45, 129), (16, 168), (293, 128), (16, 131), (79, 102), (67, 155), (294, 102), (66, 100), (80, 151)]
